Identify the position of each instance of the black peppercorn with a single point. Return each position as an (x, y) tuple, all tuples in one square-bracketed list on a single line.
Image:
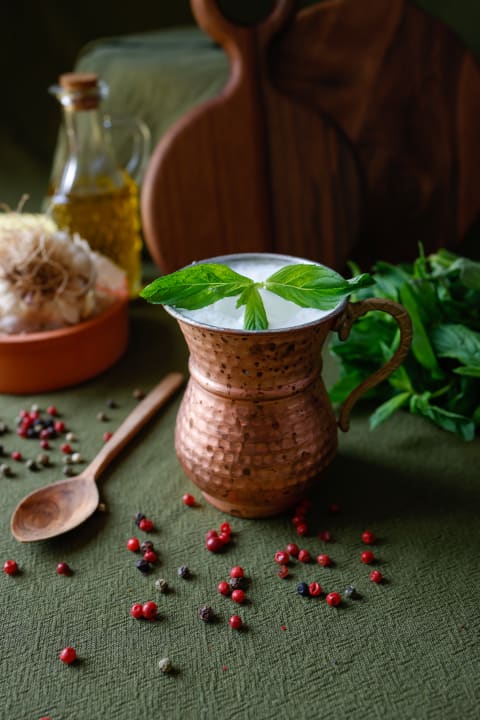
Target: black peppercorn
[(238, 583), (111, 404), (2, 451), (143, 566), (146, 545), (183, 572), (139, 517), (32, 465), (302, 589), (3, 428), (206, 613)]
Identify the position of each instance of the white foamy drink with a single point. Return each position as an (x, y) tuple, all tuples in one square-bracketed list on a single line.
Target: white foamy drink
[(280, 313)]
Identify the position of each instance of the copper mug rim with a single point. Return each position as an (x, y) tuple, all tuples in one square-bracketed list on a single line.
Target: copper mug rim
[(292, 260)]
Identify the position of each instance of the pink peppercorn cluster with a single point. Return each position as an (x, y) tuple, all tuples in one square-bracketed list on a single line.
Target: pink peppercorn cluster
[(299, 518), (235, 588), (31, 424), (215, 541), (144, 611), (147, 549)]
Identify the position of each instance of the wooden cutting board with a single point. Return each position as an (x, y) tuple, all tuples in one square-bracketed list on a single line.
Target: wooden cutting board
[(254, 169)]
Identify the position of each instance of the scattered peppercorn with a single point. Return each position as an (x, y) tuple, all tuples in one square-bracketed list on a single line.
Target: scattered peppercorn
[(70, 437), (3, 428), (59, 426), (184, 572), (367, 557), (102, 417), (63, 568), (107, 436), (146, 545), (235, 622), (304, 556), (68, 655), (283, 572), (6, 470), (16, 455), (302, 589), (188, 500), (44, 444), (324, 560), (282, 557), (138, 517), (314, 589), (214, 543), (69, 471), (52, 410), (149, 610), (77, 458), (136, 611), (325, 536), (43, 459), (150, 556), (133, 544), (206, 613), (165, 665), (292, 549), (333, 599), (376, 576), (223, 588), (238, 583), (237, 572), (351, 592), (334, 508), (101, 507), (138, 394), (161, 585), (111, 404), (143, 566), (238, 596), (225, 527), (302, 529), (368, 537), (10, 567), (146, 525)]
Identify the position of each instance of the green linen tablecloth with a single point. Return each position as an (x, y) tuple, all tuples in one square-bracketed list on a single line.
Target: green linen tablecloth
[(407, 649)]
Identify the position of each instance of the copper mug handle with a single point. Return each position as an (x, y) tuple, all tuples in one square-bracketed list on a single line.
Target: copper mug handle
[(343, 325)]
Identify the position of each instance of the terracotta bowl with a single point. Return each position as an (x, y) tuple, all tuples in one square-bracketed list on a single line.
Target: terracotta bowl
[(53, 359)]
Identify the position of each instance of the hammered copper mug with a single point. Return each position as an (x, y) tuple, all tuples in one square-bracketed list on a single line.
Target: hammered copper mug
[(256, 427)]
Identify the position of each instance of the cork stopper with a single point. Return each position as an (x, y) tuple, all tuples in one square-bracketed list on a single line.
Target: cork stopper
[(78, 81), (82, 90)]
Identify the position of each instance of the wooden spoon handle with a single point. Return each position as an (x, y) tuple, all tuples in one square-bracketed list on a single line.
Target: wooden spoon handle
[(134, 422)]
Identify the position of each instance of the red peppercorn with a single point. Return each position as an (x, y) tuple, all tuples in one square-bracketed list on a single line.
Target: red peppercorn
[(133, 544), (225, 527), (292, 549), (146, 525), (45, 434), (325, 535), (44, 444), (10, 567), (52, 410), (315, 589), (302, 529), (283, 572), (136, 611), (63, 568), (324, 560), (334, 508), (66, 448), (333, 599), (238, 596), (298, 519), (304, 556), (16, 455), (224, 538), (368, 537), (282, 557), (235, 622), (376, 576), (210, 534), (237, 572), (188, 500), (304, 506), (223, 588), (367, 557), (107, 436), (149, 610), (68, 655), (214, 544), (150, 556), (22, 432), (59, 426)]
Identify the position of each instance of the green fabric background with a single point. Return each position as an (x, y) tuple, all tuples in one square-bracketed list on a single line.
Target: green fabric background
[(407, 650)]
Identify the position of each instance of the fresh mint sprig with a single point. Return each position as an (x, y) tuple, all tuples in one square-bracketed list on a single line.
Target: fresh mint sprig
[(306, 285)]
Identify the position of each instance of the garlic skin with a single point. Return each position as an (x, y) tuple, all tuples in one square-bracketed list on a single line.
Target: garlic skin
[(48, 278)]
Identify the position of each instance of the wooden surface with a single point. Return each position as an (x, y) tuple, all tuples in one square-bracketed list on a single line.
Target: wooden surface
[(349, 129)]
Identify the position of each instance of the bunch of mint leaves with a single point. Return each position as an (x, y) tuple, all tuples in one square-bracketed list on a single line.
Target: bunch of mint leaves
[(202, 284), (440, 378)]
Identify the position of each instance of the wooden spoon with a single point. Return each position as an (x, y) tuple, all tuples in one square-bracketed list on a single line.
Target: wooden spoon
[(62, 506)]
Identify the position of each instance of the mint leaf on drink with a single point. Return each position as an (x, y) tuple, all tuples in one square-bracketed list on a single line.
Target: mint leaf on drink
[(440, 378), (196, 286), (255, 317), (314, 286)]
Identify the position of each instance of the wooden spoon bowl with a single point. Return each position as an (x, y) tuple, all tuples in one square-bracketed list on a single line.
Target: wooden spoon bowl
[(62, 506)]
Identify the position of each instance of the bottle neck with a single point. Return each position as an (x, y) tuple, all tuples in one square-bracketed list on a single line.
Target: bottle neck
[(90, 165)]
